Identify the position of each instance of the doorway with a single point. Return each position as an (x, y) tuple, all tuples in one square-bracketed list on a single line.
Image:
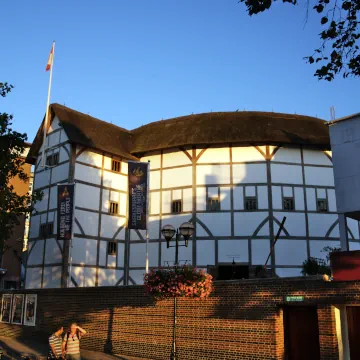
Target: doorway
[(301, 333), (353, 321)]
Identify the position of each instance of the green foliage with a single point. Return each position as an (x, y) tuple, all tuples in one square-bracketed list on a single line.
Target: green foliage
[(339, 50), (12, 147)]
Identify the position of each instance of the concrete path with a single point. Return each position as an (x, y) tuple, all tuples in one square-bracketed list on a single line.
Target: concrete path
[(16, 349)]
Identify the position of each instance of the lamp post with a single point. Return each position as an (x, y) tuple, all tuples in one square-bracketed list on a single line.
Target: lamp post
[(168, 231)]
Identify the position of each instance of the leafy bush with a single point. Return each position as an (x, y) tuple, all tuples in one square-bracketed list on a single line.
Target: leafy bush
[(315, 266)]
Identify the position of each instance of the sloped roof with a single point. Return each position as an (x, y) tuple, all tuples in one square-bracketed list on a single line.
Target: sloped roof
[(245, 127)]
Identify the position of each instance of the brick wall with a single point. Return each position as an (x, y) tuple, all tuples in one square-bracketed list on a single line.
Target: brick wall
[(241, 320)]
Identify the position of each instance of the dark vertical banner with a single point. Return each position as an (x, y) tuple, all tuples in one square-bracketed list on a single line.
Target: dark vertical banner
[(138, 195), (65, 211)]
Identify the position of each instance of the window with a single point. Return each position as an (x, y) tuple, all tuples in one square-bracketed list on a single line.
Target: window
[(10, 285), (52, 160), (115, 165), (322, 205), (288, 204), (114, 206), (46, 230), (176, 206), (213, 204), (112, 245), (250, 203)]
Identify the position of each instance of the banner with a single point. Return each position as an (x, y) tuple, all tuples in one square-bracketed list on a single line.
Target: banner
[(138, 195), (65, 211)]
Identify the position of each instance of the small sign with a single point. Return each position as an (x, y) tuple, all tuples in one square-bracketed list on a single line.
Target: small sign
[(294, 298), (65, 211)]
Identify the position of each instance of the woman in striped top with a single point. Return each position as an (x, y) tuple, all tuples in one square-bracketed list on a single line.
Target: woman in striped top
[(71, 342)]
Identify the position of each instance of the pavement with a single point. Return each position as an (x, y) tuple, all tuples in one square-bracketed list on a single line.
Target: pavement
[(17, 349)]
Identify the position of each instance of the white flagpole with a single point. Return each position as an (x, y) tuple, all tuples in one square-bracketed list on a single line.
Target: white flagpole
[(147, 220), (48, 105)]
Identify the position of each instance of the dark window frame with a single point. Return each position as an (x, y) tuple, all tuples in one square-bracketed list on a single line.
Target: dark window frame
[(114, 207), (112, 248), (291, 201), (115, 165), (213, 203), (253, 200), (53, 159), (46, 230), (319, 208), (176, 206)]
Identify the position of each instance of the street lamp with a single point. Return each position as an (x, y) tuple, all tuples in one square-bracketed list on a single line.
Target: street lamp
[(186, 230)]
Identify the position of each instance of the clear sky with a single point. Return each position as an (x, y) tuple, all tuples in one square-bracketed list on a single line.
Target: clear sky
[(131, 62)]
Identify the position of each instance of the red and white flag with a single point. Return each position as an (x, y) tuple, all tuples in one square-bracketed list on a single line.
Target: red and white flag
[(50, 60)]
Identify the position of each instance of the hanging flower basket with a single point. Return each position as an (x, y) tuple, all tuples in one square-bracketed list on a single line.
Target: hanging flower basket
[(184, 281)]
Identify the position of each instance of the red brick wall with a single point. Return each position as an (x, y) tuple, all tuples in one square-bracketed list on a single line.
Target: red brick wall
[(241, 320)]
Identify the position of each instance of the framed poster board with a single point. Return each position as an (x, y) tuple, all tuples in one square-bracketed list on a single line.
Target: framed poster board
[(6, 308), (30, 309), (17, 309)]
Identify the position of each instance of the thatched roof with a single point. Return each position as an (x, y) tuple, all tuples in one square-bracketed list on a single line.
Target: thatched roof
[(241, 128)]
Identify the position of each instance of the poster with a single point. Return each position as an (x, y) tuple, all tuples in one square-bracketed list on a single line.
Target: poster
[(138, 195), (30, 309), (17, 309), (65, 211), (6, 308)]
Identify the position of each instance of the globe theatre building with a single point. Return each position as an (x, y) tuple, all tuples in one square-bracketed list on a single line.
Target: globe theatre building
[(234, 175)]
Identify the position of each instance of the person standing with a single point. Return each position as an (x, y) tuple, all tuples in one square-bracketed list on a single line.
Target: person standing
[(71, 342), (55, 342)]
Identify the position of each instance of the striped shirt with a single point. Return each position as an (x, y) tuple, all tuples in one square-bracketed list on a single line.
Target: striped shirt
[(72, 343), (56, 341)]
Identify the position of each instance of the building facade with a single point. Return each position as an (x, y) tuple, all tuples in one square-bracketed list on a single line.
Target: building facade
[(234, 175)]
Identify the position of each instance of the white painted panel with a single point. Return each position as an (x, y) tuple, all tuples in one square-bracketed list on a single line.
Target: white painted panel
[(137, 276), (316, 157), (53, 197), (175, 158), (311, 199), (205, 252), (249, 173), (124, 167), (90, 158), (233, 248), (33, 278), (52, 277), (166, 202), (111, 260), (41, 179), (121, 254), (331, 200), (294, 224), (176, 194), (353, 225), (53, 252), (85, 277), (259, 251), (123, 204), (212, 174), (250, 191), (88, 174), (84, 251), (213, 191), (316, 247), (153, 227), (155, 160), (55, 124), (34, 226), (263, 201), (319, 176), (225, 198), (110, 225), (64, 156), (121, 234), (105, 200), (288, 154), (238, 193), (218, 223), (155, 202), (87, 197), (88, 221), (299, 198), (154, 180), (288, 272), (36, 255), (319, 224), (115, 181), (321, 193), (354, 245), (53, 139), (187, 199), (245, 224), (134, 236), (102, 252), (109, 277), (177, 177), (60, 173), (287, 191), (246, 153), (138, 254), (201, 199), (286, 174), (107, 163), (114, 196), (290, 252), (215, 155)]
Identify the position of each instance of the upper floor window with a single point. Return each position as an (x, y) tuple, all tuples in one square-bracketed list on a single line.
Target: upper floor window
[(250, 203), (114, 207), (115, 165), (111, 250), (46, 230), (176, 206), (288, 204), (322, 205), (213, 204), (53, 159)]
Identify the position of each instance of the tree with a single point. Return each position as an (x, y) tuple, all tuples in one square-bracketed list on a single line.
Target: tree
[(12, 147), (339, 40)]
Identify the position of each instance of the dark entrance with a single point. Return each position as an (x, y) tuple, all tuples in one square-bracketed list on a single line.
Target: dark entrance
[(353, 320), (301, 332), (232, 272)]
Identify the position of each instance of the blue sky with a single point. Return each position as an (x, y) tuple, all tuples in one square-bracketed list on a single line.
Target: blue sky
[(131, 62)]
